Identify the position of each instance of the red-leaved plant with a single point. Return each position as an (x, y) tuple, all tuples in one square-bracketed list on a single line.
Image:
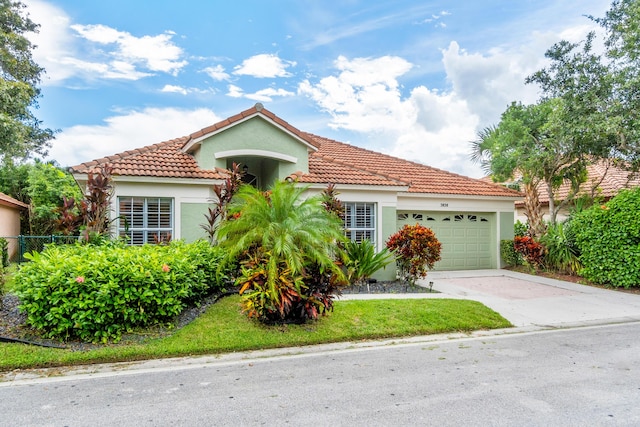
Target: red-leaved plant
[(224, 193), (417, 250), (532, 251)]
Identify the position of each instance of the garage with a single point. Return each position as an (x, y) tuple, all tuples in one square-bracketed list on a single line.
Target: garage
[(467, 238)]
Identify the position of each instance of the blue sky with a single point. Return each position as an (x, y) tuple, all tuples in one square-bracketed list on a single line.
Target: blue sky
[(414, 79)]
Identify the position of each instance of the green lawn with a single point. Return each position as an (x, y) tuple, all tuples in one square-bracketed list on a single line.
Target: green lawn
[(223, 328)]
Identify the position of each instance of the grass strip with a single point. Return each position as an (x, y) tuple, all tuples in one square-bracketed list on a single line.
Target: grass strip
[(223, 329)]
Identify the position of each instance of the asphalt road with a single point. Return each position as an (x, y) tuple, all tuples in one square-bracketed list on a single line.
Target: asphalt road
[(573, 377)]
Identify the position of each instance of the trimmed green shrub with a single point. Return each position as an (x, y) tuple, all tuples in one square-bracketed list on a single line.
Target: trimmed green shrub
[(608, 238), (95, 293), (509, 255)]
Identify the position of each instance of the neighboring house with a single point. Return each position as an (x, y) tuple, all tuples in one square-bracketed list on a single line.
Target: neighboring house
[(604, 180), (166, 188), (10, 221)]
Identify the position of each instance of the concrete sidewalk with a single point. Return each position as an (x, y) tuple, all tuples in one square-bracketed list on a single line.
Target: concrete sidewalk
[(527, 300)]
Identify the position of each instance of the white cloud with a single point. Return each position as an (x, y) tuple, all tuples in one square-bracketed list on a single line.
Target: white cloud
[(156, 53), (364, 96), (263, 95), (217, 73), (490, 82), (89, 70), (235, 91), (100, 51), (135, 129), (174, 89), (264, 66), (267, 95), (440, 134), (53, 41)]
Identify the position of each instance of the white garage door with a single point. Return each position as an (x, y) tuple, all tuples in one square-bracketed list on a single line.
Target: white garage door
[(466, 238)]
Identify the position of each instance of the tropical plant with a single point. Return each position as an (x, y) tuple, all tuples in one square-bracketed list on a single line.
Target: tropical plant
[(416, 249), (361, 260), (608, 237), (90, 216), (279, 238), (224, 194), (561, 252), (531, 250), (331, 201)]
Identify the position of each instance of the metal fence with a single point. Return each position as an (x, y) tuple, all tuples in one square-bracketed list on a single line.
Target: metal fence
[(18, 246)]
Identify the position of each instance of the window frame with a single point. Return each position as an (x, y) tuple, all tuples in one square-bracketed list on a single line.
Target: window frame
[(149, 232), (354, 230)]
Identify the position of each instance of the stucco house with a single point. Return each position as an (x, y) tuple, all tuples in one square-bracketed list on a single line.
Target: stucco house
[(166, 188), (10, 221)]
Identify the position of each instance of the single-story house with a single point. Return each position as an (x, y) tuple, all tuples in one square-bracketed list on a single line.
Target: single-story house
[(604, 180), (10, 209), (166, 188)]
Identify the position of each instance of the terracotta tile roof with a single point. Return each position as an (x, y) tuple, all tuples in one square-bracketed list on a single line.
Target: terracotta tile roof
[(165, 159), (326, 170), (332, 161), (607, 178), (10, 201), (615, 179), (420, 178)]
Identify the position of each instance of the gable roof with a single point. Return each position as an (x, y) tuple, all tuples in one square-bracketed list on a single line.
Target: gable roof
[(330, 161), (11, 202)]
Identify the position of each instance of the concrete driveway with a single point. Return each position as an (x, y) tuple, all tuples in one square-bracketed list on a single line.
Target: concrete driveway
[(527, 300)]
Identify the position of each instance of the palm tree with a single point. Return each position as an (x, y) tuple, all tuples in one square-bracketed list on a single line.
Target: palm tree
[(282, 238)]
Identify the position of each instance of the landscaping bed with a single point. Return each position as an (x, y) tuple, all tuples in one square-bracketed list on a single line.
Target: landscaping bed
[(13, 322)]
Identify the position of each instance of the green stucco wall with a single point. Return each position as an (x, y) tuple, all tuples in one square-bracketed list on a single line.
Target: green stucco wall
[(191, 216), (388, 227), (506, 225), (254, 134)]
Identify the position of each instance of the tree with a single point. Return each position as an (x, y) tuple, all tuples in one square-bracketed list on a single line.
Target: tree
[(601, 112), (283, 240), (42, 186), (529, 144), (20, 131)]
